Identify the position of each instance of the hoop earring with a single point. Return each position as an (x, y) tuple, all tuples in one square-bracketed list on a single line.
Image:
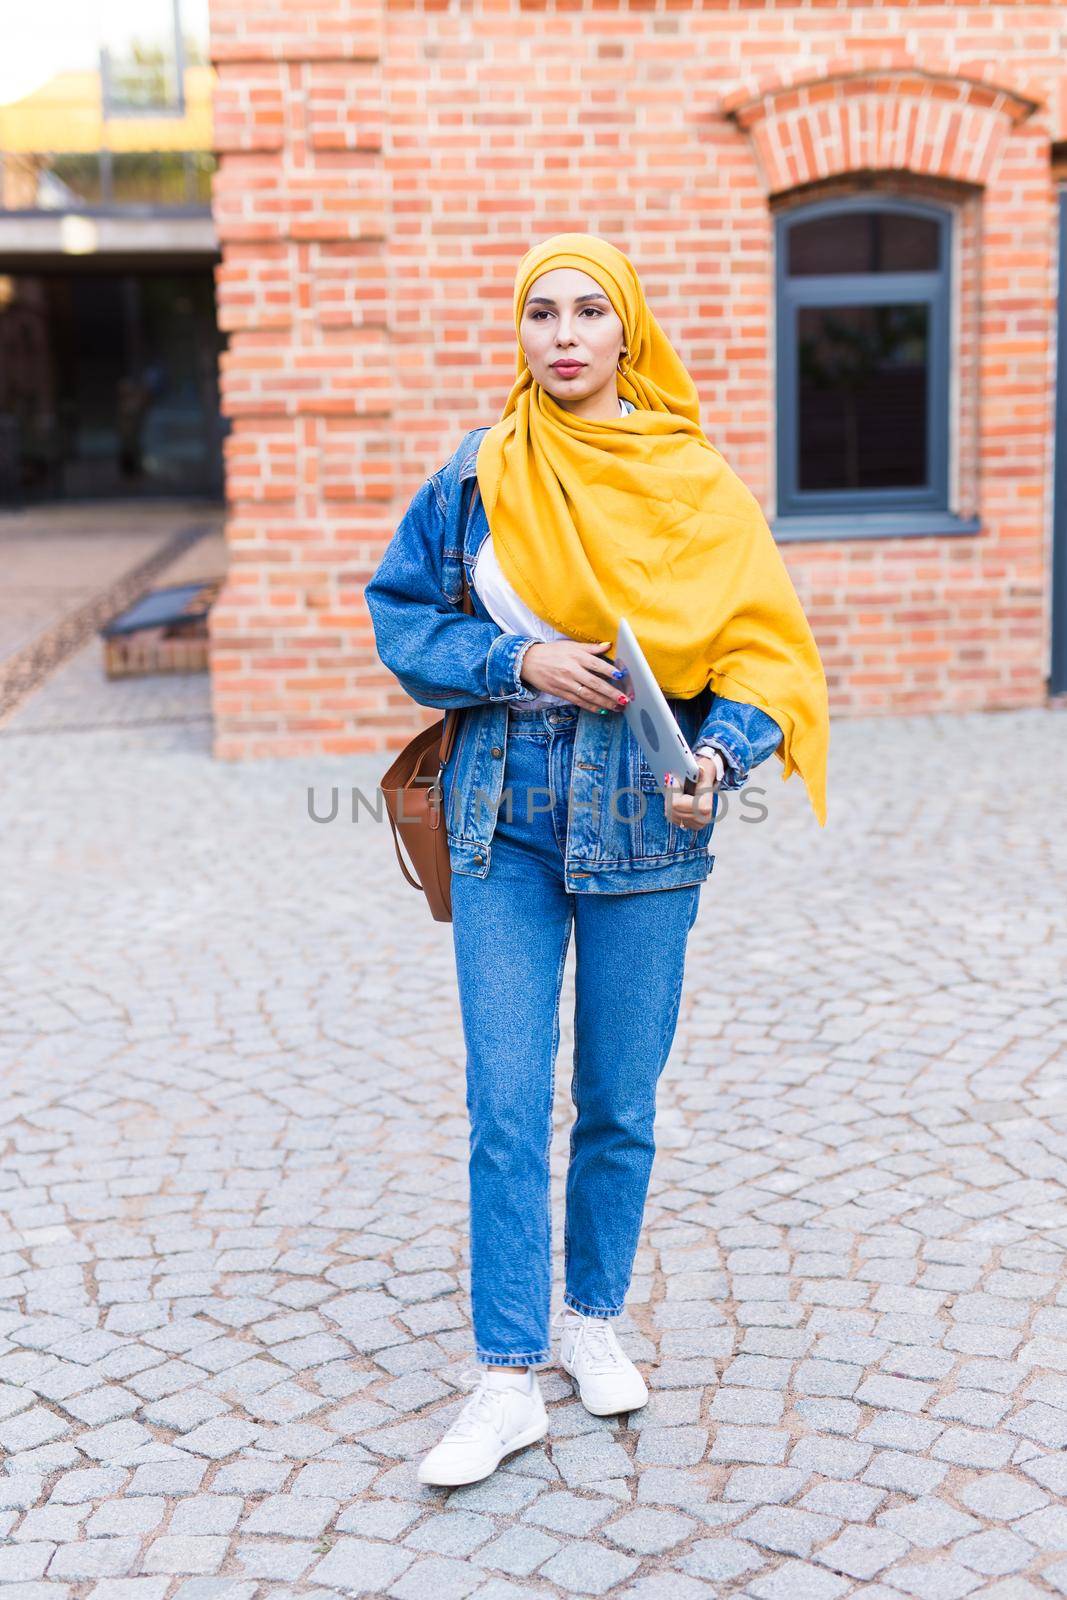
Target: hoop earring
[(624, 355)]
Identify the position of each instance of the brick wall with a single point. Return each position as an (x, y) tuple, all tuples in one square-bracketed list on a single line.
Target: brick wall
[(383, 167)]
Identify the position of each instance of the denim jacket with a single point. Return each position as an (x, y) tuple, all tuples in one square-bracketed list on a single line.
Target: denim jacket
[(618, 837)]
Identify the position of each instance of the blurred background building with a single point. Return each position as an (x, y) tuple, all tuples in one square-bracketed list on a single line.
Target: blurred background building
[(109, 345), (849, 218)]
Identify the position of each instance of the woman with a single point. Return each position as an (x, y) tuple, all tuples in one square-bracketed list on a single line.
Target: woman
[(598, 496)]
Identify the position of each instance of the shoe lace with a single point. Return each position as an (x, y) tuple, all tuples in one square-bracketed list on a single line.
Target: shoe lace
[(484, 1405), (597, 1338)]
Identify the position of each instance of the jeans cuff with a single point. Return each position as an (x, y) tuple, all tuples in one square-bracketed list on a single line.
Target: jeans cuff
[(591, 1311), (487, 1358)]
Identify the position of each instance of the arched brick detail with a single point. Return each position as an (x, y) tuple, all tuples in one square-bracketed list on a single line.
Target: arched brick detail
[(897, 119)]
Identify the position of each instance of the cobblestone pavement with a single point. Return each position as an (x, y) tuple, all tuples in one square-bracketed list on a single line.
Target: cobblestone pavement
[(233, 1266), (56, 558)]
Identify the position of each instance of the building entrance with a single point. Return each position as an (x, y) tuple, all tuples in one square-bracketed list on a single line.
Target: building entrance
[(108, 385)]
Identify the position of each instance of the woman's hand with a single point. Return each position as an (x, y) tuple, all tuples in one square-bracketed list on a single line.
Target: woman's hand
[(693, 811), (573, 670)]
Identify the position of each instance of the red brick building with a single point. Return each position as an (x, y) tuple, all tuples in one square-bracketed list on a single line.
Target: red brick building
[(847, 217)]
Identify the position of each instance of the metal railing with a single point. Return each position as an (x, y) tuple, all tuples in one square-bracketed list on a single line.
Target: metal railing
[(106, 181)]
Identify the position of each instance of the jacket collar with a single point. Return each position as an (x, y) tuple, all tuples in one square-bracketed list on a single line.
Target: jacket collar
[(467, 453)]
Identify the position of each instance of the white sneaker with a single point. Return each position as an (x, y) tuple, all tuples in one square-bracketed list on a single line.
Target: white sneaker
[(607, 1379), (505, 1412)]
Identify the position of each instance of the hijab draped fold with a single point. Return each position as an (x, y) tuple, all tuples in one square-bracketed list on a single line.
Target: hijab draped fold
[(641, 517)]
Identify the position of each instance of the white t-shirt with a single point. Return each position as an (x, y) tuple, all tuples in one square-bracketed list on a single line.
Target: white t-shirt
[(511, 613)]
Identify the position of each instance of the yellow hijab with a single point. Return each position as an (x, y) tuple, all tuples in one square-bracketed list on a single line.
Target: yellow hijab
[(642, 517)]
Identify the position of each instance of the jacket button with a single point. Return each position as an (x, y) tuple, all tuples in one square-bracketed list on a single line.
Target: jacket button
[(496, 751), (479, 858)]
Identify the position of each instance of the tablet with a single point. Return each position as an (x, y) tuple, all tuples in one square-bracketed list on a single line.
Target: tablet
[(651, 720)]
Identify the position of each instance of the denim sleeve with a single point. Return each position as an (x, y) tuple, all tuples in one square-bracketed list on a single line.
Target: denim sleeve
[(744, 735), (440, 655)]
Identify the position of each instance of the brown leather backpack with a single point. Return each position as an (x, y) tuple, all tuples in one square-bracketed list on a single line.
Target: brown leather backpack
[(413, 791)]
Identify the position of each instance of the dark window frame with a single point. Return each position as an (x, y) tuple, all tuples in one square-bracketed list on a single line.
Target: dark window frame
[(872, 513), (116, 109)]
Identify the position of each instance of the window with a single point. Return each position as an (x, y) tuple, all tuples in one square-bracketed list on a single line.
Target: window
[(863, 368), (142, 61), (142, 64)]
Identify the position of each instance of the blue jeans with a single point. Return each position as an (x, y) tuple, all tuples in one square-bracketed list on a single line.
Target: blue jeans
[(511, 932)]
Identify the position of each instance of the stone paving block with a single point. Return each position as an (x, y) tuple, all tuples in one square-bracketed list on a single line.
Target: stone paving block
[(659, 1585), (593, 1456), (223, 1436), (232, 1588), (1044, 1424), (295, 1516), (940, 1579), (503, 1589), (747, 1406), (331, 1480), (995, 1552), (798, 1580), (897, 1431), (504, 1493), (116, 1443), (830, 1458), (518, 1550), (928, 1522), (972, 1447), (863, 1552), (835, 1379), (646, 1532), (565, 1512), (86, 1484), (282, 1559), (894, 1394), (672, 1447), (103, 1404), (1050, 1471), (588, 1568), (452, 1533), (30, 1428), (95, 1558), (669, 1408), (1001, 1497), (758, 1372), (850, 1502), (437, 1578), (20, 1563), (830, 1416), (61, 1524), (787, 1530), (975, 1407), (361, 1566), (129, 1589), (166, 1477), (765, 1485), (721, 1559), (179, 1554), (259, 1477), (1046, 1528), (135, 1515), (206, 1514), (762, 1446)]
